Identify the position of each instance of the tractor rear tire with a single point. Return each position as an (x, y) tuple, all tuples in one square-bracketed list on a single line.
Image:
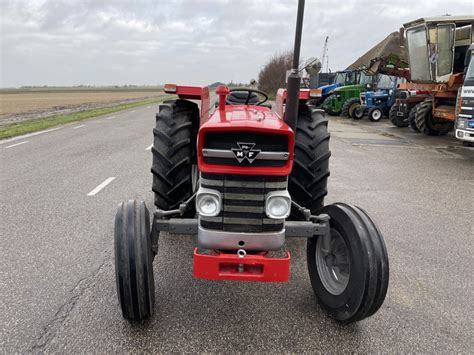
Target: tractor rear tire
[(349, 106), (426, 124), (133, 261), (174, 152), (375, 114), (411, 118), (350, 280), (399, 121), (308, 180)]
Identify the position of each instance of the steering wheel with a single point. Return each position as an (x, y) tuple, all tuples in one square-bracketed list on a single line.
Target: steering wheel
[(250, 91)]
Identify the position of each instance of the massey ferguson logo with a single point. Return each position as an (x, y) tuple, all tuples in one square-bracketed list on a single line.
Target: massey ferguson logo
[(246, 151)]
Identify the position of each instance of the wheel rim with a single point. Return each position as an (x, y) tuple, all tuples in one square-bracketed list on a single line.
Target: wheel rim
[(358, 112), (376, 115), (333, 267), (352, 108)]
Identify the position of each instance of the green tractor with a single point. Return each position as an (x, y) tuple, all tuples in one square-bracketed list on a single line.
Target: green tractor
[(345, 99)]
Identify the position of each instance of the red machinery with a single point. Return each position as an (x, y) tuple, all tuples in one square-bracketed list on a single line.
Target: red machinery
[(243, 179)]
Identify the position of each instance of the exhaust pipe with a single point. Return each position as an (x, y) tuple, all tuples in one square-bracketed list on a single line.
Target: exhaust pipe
[(294, 79)]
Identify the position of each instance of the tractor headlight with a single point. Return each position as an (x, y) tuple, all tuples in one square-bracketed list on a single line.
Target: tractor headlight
[(278, 204), (461, 124), (208, 202)]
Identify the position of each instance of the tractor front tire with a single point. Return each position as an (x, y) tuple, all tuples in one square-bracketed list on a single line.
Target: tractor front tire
[(350, 279), (375, 114), (133, 261), (308, 180), (425, 122), (358, 112), (174, 153), (399, 121), (349, 107)]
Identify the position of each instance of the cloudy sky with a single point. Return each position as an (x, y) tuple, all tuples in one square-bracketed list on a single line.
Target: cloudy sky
[(115, 42)]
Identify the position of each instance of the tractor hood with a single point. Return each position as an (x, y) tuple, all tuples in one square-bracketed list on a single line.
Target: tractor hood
[(350, 87), (244, 129), (325, 89), (242, 117)]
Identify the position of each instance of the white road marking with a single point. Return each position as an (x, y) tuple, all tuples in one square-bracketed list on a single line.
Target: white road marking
[(82, 125), (149, 148), (14, 145), (109, 118), (28, 135), (133, 111), (101, 186)]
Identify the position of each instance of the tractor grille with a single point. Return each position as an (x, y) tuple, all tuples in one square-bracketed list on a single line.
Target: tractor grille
[(467, 109), (243, 199), (219, 146)]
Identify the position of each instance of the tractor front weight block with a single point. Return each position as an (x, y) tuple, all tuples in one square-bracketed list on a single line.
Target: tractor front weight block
[(219, 265)]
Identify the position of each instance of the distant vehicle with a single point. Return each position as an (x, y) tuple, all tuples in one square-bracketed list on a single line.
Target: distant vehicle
[(342, 78), (437, 47), (465, 105), (376, 104), (340, 99)]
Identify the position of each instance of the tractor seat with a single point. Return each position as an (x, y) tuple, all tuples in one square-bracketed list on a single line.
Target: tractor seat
[(238, 98)]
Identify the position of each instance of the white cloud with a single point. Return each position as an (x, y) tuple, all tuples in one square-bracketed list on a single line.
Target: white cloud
[(70, 42)]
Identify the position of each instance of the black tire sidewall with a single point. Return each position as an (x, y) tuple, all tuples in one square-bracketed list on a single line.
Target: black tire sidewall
[(133, 246), (345, 305), (354, 116), (371, 112)]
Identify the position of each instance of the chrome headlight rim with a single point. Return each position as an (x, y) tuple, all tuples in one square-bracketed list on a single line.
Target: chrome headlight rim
[(277, 196), (213, 195)]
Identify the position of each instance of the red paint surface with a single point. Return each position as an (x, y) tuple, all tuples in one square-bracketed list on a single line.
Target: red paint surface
[(225, 266), (245, 118)]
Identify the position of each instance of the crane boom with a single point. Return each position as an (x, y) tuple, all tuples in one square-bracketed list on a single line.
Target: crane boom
[(324, 57)]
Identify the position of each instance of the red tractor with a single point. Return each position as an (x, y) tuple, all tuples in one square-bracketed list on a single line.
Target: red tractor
[(243, 179)]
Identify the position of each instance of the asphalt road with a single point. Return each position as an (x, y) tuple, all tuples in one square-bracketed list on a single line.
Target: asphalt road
[(57, 285)]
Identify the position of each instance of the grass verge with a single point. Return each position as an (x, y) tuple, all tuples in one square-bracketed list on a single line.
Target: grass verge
[(17, 129)]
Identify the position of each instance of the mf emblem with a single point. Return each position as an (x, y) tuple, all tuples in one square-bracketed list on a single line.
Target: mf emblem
[(245, 151)]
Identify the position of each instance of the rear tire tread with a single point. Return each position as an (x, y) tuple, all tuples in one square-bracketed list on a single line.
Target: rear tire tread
[(308, 181), (174, 152)]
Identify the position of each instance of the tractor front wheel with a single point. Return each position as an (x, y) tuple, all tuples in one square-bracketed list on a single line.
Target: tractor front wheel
[(349, 272), (358, 112), (375, 114), (133, 261), (349, 107), (399, 121)]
